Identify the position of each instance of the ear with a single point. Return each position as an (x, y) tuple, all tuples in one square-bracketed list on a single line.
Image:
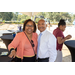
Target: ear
[(46, 25)]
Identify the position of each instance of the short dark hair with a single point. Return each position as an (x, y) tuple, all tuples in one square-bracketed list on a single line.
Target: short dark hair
[(26, 21), (61, 22)]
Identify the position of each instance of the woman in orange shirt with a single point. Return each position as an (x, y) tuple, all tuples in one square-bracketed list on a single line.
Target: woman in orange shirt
[(25, 42)]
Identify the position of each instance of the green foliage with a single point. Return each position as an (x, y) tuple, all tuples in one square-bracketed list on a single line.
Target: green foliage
[(22, 21), (20, 18), (56, 16), (3, 21), (6, 16)]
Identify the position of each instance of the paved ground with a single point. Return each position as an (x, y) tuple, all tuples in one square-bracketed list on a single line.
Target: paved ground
[(65, 51)]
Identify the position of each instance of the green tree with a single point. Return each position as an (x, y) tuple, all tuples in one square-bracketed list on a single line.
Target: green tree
[(6, 16)]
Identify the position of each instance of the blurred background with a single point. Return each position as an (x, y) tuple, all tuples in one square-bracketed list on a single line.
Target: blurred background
[(54, 17)]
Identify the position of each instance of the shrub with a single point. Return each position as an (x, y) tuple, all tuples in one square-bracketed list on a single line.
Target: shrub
[(22, 21), (3, 21)]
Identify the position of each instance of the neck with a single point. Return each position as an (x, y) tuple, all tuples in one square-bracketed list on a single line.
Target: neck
[(60, 28), (29, 36)]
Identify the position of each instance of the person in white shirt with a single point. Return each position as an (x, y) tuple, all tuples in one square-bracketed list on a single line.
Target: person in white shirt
[(46, 50)]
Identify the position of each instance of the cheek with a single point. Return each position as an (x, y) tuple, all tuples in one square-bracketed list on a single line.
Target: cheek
[(32, 28), (26, 28), (63, 29)]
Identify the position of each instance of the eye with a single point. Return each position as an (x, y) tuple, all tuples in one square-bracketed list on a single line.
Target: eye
[(42, 23), (38, 24)]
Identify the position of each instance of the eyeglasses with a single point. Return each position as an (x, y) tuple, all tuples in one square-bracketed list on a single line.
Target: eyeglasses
[(32, 43), (29, 25)]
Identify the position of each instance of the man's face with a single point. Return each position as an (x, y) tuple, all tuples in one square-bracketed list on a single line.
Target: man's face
[(41, 25)]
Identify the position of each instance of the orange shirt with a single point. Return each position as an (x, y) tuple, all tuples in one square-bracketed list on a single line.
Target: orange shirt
[(24, 48)]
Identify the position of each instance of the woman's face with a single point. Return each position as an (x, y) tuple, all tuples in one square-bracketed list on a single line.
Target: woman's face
[(29, 28), (63, 27)]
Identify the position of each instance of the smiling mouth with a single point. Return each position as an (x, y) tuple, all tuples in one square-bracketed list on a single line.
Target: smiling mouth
[(41, 28), (29, 30)]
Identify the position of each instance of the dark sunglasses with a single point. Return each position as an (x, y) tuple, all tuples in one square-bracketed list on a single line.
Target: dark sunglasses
[(32, 43)]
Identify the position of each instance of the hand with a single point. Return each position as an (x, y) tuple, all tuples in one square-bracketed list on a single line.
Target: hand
[(12, 54), (68, 36)]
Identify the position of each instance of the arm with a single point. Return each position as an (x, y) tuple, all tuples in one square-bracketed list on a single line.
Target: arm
[(14, 43), (12, 46), (62, 40), (52, 48)]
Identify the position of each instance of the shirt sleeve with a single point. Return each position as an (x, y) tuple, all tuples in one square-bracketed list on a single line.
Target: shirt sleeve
[(14, 43), (59, 34), (52, 48)]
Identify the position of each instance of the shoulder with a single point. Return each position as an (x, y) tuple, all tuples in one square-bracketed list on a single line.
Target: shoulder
[(50, 35), (57, 31), (35, 34), (20, 34)]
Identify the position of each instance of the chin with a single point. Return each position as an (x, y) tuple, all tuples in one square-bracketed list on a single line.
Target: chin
[(30, 32), (63, 30), (41, 30)]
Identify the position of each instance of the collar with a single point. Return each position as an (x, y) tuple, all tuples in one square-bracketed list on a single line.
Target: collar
[(58, 28), (43, 31)]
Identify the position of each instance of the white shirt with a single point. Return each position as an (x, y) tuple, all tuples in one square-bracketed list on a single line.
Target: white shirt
[(47, 46)]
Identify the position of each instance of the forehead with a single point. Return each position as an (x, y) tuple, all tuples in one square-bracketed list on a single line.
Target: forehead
[(64, 26), (30, 22), (41, 21)]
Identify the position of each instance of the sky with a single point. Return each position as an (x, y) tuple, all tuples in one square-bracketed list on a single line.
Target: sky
[(71, 12), (68, 12)]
